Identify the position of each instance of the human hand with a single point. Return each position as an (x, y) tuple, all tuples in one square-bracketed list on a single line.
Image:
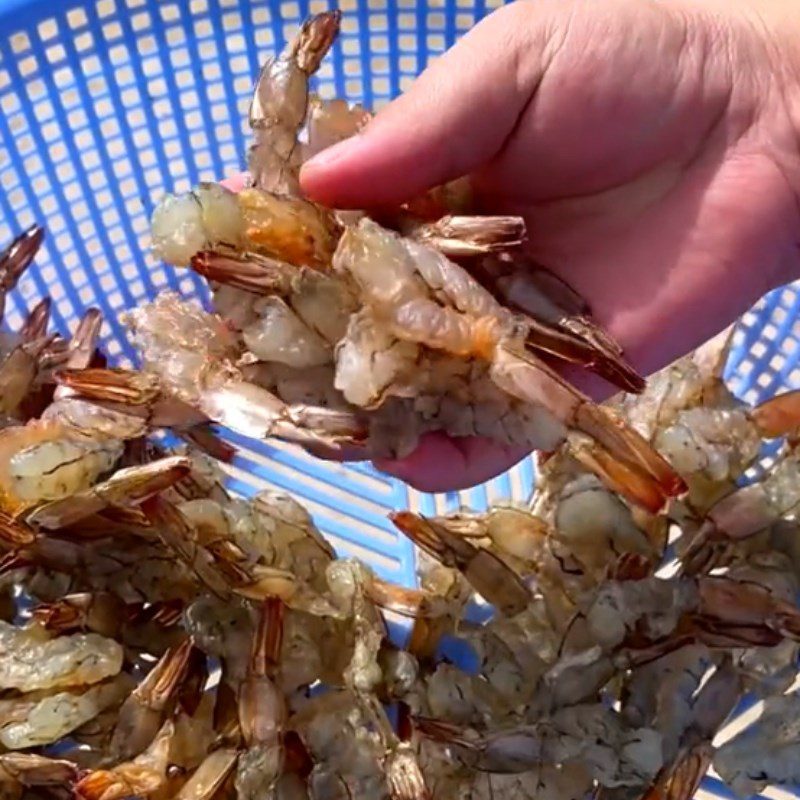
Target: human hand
[(651, 147)]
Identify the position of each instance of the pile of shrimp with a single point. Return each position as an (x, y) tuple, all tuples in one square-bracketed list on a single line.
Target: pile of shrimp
[(163, 638), (355, 332)]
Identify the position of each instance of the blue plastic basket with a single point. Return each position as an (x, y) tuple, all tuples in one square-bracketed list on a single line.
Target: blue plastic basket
[(107, 104)]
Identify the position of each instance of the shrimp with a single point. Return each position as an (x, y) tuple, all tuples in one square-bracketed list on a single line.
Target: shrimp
[(262, 709), (463, 236), (143, 712), (130, 486), (99, 612), (22, 358), (489, 575), (42, 461), (207, 217), (280, 102), (36, 719), (274, 232), (30, 660), (712, 705), (227, 569), (223, 631), (207, 780), (191, 354), (348, 581), (560, 319), (20, 771), (746, 512), (290, 229), (614, 754), (765, 752), (660, 615), (142, 777), (331, 121), (422, 297)]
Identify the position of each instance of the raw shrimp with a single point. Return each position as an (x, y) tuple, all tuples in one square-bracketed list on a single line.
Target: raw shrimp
[(262, 709), (559, 318), (142, 777), (207, 780), (192, 354), (42, 461), (30, 659), (280, 102), (143, 712), (20, 771), (331, 121), (422, 297), (38, 719), (489, 575), (614, 754), (764, 753), (126, 487), (99, 612)]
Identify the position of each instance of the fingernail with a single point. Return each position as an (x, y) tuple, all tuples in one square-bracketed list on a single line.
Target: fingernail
[(332, 154)]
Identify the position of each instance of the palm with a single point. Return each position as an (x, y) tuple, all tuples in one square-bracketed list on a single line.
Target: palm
[(645, 143), (650, 190)]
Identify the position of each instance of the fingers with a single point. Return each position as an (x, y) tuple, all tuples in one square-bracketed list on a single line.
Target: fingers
[(442, 464), (455, 117)]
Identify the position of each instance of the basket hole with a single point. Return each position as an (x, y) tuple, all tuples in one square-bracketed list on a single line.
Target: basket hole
[(169, 13), (105, 7), (777, 362), (232, 21), (141, 21), (55, 53), (175, 36), (112, 30), (27, 66), (83, 41), (118, 56), (20, 42), (47, 29)]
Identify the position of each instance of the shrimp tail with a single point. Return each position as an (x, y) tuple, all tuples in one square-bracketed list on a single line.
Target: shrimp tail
[(129, 486), (682, 779), (315, 39), (466, 236), (575, 347), (16, 258), (623, 459), (248, 271), (129, 392), (778, 416), (35, 326), (204, 438)]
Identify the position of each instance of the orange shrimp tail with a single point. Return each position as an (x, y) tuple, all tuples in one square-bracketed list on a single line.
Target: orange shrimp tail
[(779, 416), (628, 460), (268, 638), (101, 785), (117, 385), (14, 533), (682, 780)]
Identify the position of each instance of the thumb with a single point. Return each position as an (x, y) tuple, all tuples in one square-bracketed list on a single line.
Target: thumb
[(455, 118)]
